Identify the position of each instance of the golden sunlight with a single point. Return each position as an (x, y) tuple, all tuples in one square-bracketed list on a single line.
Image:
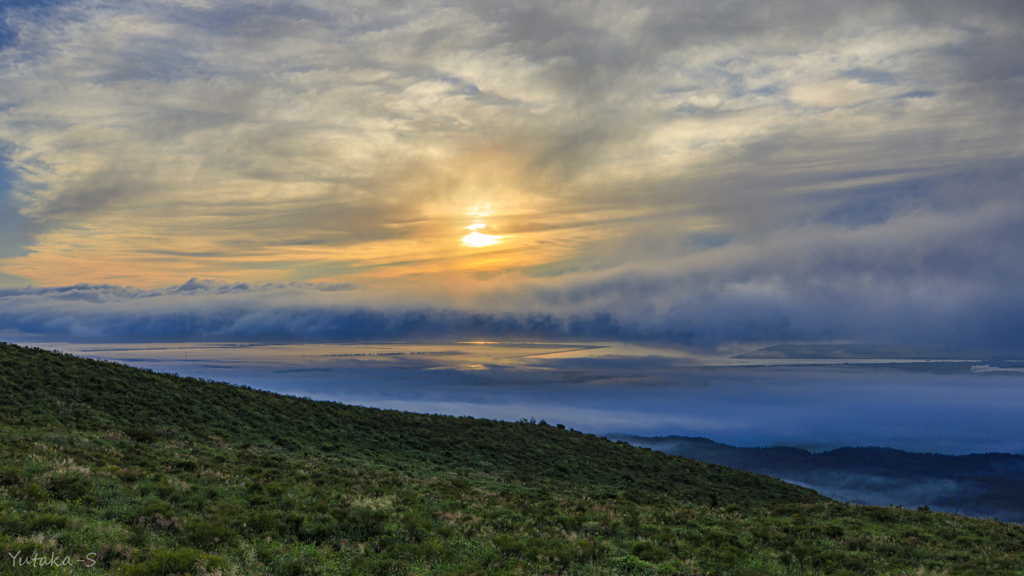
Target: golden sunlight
[(477, 240)]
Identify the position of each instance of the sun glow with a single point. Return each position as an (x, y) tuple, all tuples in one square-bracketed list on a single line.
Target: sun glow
[(477, 240)]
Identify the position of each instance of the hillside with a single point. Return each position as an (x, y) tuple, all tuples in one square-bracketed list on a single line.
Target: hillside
[(975, 484), (41, 388), (147, 473)]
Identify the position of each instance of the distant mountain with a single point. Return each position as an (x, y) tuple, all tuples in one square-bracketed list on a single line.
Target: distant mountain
[(989, 485)]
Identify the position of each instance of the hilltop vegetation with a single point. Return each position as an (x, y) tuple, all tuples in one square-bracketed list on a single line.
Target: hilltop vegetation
[(147, 473)]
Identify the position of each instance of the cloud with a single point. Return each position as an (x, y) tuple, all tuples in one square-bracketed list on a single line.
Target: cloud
[(15, 230), (9, 280), (924, 278), (290, 141), (700, 173)]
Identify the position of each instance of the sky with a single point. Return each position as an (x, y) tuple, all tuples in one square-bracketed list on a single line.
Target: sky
[(702, 173)]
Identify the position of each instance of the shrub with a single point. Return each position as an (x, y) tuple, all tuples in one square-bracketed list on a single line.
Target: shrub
[(34, 492), (71, 486), (209, 535), (129, 475), (649, 551), (141, 434), (834, 532), (265, 523), (10, 477), (184, 466), (154, 507), (182, 561), (364, 523), (138, 536), (632, 565), (882, 514), (25, 526), (49, 522)]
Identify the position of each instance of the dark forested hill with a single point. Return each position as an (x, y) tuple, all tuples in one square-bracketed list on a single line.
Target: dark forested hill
[(973, 484), (110, 469)]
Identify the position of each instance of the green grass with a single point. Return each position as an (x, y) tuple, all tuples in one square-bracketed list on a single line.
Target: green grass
[(148, 473)]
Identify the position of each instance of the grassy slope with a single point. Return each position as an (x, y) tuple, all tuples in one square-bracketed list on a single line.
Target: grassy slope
[(41, 388), (157, 474)]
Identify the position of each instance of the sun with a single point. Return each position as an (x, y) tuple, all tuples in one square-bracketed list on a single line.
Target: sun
[(477, 240)]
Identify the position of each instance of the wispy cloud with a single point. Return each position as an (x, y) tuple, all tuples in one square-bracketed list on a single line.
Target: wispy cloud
[(702, 171), (921, 278)]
